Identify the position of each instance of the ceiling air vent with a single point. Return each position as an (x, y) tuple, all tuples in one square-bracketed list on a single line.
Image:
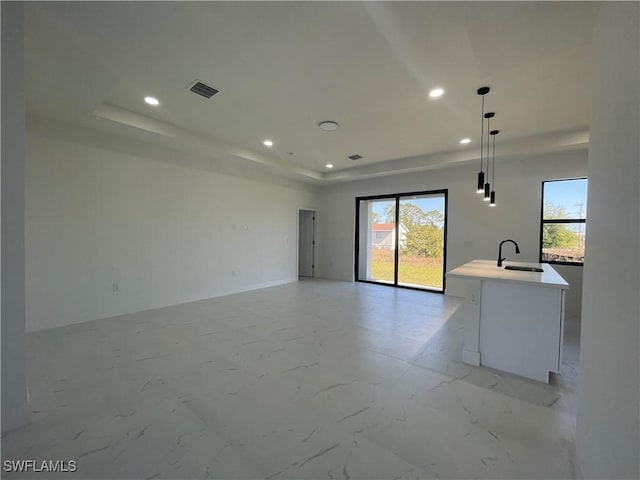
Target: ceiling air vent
[(203, 89), (355, 157)]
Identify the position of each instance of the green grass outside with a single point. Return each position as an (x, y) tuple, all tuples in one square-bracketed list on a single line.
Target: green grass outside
[(412, 269)]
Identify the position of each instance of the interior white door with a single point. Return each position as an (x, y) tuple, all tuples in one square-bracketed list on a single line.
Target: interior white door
[(306, 243)]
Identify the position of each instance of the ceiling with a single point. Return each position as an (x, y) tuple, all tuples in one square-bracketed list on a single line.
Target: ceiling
[(283, 67)]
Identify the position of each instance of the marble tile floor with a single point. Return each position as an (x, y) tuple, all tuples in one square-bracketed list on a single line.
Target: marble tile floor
[(311, 380), (442, 354)]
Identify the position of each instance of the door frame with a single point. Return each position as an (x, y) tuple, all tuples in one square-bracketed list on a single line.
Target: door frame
[(396, 197), (314, 240)]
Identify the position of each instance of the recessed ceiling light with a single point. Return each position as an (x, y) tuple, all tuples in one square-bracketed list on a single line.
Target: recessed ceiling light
[(329, 165), (328, 125), (465, 140), (152, 101), (268, 143), (436, 92)]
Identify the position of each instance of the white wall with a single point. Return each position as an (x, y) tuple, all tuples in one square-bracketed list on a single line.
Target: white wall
[(608, 400), (517, 214), (164, 232), (14, 374)]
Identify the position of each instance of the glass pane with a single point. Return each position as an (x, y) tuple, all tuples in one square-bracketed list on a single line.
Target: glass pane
[(382, 240), (563, 242), (421, 241), (565, 199)]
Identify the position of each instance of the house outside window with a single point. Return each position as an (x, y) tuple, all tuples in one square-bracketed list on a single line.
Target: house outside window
[(384, 236), (563, 221)]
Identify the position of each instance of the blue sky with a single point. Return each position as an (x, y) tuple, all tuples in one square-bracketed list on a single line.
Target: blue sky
[(569, 194), (426, 204)]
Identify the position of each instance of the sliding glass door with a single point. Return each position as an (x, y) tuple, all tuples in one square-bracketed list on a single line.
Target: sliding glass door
[(401, 239)]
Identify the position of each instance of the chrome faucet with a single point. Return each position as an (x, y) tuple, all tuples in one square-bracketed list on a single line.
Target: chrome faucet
[(500, 258)]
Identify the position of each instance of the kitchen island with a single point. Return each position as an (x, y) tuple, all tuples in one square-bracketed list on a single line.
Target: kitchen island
[(514, 319)]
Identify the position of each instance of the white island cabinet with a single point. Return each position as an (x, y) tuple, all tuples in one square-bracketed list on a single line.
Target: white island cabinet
[(514, 319)]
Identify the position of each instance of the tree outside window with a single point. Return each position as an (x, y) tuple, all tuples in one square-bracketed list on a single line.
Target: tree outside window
[(425, 229)]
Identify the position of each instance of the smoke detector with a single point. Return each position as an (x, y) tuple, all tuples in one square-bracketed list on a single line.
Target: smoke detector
[(328, 125)]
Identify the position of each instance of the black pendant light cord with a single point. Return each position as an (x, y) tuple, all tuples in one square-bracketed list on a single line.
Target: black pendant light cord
[(493, 161), (482, 134), (492, 194), (487, 186), (489, 116)]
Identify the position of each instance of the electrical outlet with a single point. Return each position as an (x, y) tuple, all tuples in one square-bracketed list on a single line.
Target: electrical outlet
[(116, 287)]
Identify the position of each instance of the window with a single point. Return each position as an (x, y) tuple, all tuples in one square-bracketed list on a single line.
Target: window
[(401, 239), (563, 221)]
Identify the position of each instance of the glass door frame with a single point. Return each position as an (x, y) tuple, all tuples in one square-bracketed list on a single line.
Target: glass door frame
[(397, 197)]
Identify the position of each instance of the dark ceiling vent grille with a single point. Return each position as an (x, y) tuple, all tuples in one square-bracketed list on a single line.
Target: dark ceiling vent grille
[(355, 157), (203, 90)]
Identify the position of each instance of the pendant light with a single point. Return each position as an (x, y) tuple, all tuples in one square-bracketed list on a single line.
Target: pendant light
[(493, 134), (482, 91), (487, 186)]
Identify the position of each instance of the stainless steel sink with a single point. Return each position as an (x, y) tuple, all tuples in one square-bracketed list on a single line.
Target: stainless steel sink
[(523, 269)]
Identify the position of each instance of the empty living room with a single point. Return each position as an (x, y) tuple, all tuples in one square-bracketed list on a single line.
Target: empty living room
[(320, 240)]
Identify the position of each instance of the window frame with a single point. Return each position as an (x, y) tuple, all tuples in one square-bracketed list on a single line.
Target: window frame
[(396, 197), (564, 221)]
